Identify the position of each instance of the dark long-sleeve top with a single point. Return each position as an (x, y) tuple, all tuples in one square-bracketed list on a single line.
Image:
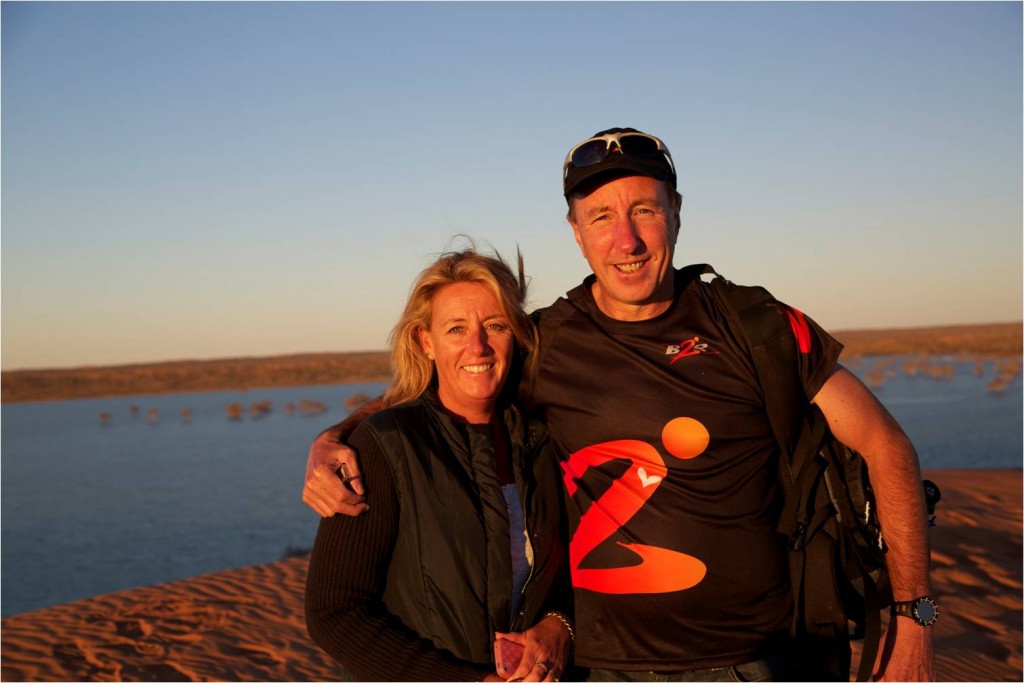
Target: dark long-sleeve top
[(349, 572), (345, 583)]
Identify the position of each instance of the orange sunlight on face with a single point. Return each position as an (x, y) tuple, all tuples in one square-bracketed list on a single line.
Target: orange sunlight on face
[(471, 342), (627, 231)]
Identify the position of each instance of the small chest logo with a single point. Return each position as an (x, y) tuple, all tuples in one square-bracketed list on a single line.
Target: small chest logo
[(689, 347)]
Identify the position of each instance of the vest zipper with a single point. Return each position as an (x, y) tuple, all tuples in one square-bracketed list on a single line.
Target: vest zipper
[(530, 554)]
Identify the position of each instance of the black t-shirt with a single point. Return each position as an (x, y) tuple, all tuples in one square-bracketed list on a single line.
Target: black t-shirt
[(671, 470)]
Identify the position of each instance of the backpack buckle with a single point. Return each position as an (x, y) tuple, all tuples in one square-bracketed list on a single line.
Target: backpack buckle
[(798, 539)]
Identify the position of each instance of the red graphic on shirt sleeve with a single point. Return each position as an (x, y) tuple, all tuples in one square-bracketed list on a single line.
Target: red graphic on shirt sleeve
[(660, 570), (801, 330)]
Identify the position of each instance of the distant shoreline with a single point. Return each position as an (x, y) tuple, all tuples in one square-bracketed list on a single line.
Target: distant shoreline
[(996, 340)]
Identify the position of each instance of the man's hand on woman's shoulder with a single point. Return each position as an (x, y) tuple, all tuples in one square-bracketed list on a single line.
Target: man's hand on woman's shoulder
[(334, 482)]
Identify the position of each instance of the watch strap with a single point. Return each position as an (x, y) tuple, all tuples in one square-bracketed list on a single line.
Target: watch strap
[(923, 610)]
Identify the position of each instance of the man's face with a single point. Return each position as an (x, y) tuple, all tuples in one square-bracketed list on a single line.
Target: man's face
[(627, 230)]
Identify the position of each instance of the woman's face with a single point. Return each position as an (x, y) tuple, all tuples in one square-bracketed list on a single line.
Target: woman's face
[(471, 342)]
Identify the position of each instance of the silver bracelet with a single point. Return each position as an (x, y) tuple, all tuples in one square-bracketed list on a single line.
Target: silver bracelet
[(565, 622)]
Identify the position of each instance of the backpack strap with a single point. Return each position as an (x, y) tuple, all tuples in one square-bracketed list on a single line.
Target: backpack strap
[(773, 350), (819, 627)]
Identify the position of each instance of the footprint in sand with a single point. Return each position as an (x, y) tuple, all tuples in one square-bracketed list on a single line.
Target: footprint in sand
[(133, 628), (84, 662)]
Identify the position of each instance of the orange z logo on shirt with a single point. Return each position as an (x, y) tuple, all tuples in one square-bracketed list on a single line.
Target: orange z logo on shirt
[(660, 570)]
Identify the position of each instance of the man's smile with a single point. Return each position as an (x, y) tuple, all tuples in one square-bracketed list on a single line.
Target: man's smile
[(630, 267)]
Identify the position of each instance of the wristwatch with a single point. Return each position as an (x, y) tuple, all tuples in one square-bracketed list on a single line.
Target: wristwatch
[(923, 610)]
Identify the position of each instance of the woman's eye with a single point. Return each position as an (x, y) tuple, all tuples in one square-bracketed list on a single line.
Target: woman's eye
[(497, 327), (455, 329)]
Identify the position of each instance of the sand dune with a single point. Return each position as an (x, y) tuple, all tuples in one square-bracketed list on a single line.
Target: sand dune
[(976, 565), (242, 624), (247, 624)]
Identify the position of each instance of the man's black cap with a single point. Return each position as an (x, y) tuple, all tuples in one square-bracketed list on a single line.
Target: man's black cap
[(616, 165)]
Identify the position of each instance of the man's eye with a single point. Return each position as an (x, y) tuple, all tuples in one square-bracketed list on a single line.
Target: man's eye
[(455, 329)]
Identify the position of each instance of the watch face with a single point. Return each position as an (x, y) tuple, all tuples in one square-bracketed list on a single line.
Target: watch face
[(924, 611)]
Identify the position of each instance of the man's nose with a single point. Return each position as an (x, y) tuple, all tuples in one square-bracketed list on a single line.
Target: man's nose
[(627, 239)]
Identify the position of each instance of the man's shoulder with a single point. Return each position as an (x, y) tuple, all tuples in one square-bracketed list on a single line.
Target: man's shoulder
[(705, 281), (559, 304), (564, 306), (561, 316), (552, 316)]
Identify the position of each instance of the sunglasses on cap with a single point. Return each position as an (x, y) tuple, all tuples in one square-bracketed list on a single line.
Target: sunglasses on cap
[(595, 150)]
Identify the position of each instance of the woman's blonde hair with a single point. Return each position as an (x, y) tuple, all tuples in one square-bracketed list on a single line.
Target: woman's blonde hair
[(412, 369)]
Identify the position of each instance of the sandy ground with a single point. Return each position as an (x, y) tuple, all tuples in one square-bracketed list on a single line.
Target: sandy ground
[(247, 624)]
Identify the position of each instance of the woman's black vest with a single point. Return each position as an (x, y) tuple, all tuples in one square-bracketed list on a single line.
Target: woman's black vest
[(450, 576)]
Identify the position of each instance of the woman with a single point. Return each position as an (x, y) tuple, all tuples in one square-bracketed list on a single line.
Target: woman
[(463, 539)]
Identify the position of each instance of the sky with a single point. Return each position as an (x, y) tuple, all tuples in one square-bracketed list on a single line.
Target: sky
[(208, 180)]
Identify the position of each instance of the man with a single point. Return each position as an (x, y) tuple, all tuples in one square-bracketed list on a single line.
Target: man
[(652, 403)]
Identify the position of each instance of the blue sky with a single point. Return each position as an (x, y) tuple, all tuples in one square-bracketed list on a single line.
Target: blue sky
[(202, 180)]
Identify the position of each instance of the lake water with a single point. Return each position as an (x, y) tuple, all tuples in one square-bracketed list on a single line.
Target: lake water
[(89, 508)]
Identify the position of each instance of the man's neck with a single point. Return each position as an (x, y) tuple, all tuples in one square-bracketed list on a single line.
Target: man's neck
[(627, 312)]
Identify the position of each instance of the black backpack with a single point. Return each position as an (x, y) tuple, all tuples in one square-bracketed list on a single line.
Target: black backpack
[(836, 551)]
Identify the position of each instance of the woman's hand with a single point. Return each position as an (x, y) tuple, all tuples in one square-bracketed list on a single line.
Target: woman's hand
[(545, 650)]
